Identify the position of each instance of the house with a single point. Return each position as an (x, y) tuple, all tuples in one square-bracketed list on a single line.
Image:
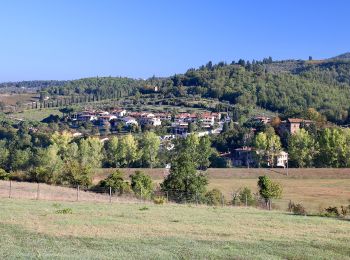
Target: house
[(292, 125), (129, 120), (106, 118), (119, 112), (86, 117), (244, 156), (262, 119), (207, 119), (179, 128), (282, 159)]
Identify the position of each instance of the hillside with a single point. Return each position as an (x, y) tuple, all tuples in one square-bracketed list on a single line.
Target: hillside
[(286, 87), (344, 56)]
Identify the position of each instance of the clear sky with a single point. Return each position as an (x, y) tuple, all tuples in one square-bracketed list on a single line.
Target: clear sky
[(70, 39)]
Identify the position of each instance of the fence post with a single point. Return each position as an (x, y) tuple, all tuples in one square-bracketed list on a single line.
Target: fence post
[(141, 194), (167, 196), (10, 189), (222, 200), (78, 188), (38, 192), (110, 194), (196, 198), (246, 201)]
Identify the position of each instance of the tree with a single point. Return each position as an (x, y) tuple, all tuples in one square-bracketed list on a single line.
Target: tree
[(111, 151), (127, 150), (62, 141), (90, 152), (75, 174), (269, 190), (260, 144), (184, 183), (268, 145), (302, 148), (204, 152), (142, 184), (149, 145), (334, 147)]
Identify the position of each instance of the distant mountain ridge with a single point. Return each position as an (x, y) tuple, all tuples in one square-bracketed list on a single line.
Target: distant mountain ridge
[(344, 56)]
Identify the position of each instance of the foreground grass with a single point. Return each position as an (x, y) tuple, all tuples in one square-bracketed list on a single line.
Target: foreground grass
[(33, 229)]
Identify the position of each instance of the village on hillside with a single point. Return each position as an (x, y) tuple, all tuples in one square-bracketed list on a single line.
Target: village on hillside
[(180, 125)]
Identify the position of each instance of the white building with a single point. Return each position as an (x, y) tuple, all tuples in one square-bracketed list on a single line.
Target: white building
[(129, 120)]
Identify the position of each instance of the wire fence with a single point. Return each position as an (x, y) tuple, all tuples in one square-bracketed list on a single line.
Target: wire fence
[(41, 191)]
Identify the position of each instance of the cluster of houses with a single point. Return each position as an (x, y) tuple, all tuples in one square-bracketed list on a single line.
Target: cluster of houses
[(179, 122)]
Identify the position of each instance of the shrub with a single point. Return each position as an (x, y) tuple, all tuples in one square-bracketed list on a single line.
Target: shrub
[(344, 211), (4, 175), (159, 200), (64, 211), (116, 182), (246, 195), (297, 209), (332, 212), (142, 184), (213, 197)]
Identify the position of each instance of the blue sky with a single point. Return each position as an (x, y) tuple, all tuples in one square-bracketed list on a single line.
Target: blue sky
[(66, 39)]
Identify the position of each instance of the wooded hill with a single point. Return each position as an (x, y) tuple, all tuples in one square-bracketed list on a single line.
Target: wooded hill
[(287, 87)]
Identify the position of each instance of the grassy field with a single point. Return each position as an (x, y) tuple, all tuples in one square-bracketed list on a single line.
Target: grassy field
[(34, 229), (315, 188), (36, 114), (23, 98)]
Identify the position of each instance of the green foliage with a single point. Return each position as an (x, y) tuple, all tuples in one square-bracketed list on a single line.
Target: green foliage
[(127, 150), (268, 189), (268, 145), (149, 146), (246, 196), (75, 174), (116, 182), (160, 200), (142, 184), (184, 182), (64, 211), (4, 175), (214, 197), (302, 148)]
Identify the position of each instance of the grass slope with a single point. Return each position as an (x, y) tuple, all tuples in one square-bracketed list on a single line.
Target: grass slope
[(33, 229)]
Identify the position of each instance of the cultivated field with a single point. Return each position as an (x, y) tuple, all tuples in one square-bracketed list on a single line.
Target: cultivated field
[(315, 188), (34, 229), (23, 98)]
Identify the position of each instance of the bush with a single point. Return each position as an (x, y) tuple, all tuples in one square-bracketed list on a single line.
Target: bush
[(116, 182), (64, 211), (159, 200), (246, 195), (213, 197), (4, 175), (332, 212), (297, 209), (344, 211), (142, 184)]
